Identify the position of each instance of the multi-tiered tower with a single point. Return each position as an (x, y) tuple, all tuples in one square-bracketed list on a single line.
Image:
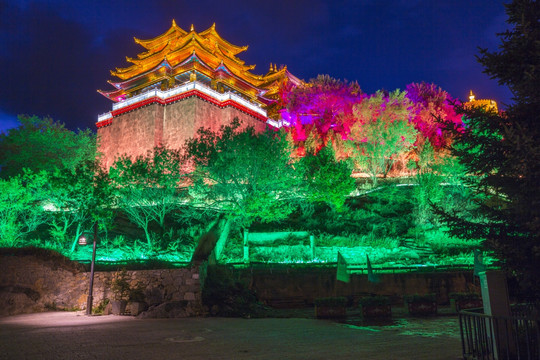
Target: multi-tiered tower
[(185, 80)]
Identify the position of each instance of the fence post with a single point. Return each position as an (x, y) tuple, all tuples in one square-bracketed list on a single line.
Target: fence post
[(496, 303), (246, 246), (312, 246)]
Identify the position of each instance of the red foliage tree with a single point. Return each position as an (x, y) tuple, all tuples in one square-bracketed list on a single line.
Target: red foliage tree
[(430, 105), (324, 104)]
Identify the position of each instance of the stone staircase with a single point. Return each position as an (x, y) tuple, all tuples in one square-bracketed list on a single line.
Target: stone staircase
[(423, 251)]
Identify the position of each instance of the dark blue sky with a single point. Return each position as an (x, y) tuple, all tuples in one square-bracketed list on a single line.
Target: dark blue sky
[(55, 54)]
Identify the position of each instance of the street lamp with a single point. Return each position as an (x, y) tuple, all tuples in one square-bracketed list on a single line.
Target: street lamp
[(83, 241)]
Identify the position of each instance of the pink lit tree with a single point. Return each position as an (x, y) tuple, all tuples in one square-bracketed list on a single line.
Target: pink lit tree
[(321, 108), (431, 106)]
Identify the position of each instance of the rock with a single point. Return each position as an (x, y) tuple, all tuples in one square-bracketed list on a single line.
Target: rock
[(12, 303), (136, 307), (153, 296)]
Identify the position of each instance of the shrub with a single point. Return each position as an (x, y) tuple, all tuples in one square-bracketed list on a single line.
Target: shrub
[(226, 296), (295, 253), (100, 308), (120, 286)]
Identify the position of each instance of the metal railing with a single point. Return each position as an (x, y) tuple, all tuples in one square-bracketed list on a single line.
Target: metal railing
[(488, 337)]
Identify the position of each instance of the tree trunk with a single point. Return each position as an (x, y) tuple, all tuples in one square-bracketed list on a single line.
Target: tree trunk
[(148, 239), (222, 241), (77, 234)]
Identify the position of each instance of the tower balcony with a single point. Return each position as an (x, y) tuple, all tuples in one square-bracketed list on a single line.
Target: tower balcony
[(194, 88)]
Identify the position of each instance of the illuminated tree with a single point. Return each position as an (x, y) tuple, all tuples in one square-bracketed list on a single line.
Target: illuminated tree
[(433, 170), (61, 163), (431, 161), (322, 105), (501, 153), (243, 174), (430, 107), (21, 206), (148, 187), (43, 144), (327, 180), (381, 133), (77, 198)]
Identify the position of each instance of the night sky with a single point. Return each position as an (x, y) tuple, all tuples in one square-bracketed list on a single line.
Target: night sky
[(55, 54)]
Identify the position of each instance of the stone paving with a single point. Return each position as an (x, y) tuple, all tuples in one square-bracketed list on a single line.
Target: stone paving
[(75, 336)]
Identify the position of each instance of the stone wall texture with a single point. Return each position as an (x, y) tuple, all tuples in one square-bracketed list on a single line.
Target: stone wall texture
[(301, 286), (31, 284), (136, 132)]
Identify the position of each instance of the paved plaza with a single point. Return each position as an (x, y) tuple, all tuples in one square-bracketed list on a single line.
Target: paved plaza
[(74, 336)]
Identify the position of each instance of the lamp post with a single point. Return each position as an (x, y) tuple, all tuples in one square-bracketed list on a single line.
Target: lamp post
[(83, 241)]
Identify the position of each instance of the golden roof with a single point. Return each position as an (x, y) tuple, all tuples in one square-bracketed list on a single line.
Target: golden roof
[(157, 42), (176, 44), (177, 56)]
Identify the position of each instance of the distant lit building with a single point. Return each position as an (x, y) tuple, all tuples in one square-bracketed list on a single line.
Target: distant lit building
[(483, 103)]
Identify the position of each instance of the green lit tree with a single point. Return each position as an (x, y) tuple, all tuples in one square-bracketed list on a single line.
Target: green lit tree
[(381, 133), (327, 180), (21, 206), (58, 170), (501, 153), (78, 198), (438, 177), (148, 187), (43, 144), (245, 175)]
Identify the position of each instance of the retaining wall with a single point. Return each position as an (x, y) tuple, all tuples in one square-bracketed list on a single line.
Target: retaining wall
[(300, 286), (32, 284)]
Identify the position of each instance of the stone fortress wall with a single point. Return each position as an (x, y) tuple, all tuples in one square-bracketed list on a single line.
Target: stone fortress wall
[(138, 131)]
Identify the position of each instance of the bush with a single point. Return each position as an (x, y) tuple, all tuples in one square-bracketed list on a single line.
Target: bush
[(226, 296), (120, 285), (290, 254)]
